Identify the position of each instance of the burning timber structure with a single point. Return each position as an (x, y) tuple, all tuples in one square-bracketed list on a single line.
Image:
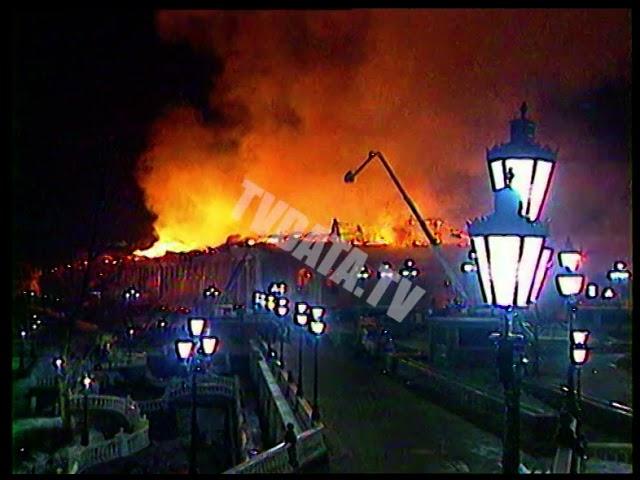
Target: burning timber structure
[(240, 269)]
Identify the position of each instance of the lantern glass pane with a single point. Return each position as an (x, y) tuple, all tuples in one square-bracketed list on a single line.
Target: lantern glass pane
[(301, 307), (592, 290), (282, 311), (580, 337), (196, 326), (317, 313), (539, 188), (579, 355), (619, 265), (301, 319), (483, 268), (522, 169), (570, 284), (183, 348), (497, 174), (570, 260), (608, 293), (527, 268), (209, 345), (317, 328), (541, 272), (504, 251)]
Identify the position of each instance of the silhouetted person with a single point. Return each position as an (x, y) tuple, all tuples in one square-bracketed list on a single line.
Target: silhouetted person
[(290, 440)]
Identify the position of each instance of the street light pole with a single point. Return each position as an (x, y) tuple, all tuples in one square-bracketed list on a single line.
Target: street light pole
[(194, 423), (84, 441), (299, 392), (315, 412), (510, 379), (282, 333)]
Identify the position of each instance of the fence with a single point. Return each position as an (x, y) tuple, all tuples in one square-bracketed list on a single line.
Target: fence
[(277, 411)]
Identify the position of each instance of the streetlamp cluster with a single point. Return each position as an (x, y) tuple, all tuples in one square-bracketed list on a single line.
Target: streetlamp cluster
[(305, 316), (131, 293), (191, 353), (409, 269), (211, 291)]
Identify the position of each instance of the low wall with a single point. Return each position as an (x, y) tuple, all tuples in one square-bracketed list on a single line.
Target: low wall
[(482, 408), (595, 412)]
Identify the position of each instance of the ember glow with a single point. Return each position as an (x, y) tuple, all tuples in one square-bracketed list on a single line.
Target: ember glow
[(303, 96)]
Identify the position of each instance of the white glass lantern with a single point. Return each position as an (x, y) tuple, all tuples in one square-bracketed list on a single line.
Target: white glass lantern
[(209, 345), (271, 302), (196, 326), (301, 319), (317, 313), (184, 348), (608, 293), (570, 260), (541, 272), (591, 290), (579, 348), (524, 165), (619, 265), (317, 327), (508, 249), (302, 307), (86, 381), (569, 284)]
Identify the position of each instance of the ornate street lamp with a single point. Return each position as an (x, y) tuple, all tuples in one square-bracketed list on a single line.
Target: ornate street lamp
[(508, 252), (317, 327), (523, 165), (196, 326), (569, 286), (301, 319), (84, 439), (409, 269), (186, 352)]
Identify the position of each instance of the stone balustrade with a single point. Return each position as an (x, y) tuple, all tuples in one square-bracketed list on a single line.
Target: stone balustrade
[(125, 406), (121, 445), (214, 385), (279, 405)]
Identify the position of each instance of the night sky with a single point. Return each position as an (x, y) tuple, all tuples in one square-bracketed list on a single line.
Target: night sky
[(95, 97)]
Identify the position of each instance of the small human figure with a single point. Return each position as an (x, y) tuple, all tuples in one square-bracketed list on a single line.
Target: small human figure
[(290, 440)]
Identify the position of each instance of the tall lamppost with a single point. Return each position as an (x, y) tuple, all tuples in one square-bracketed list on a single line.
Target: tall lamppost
[(301, 319), (187, 352), (281, 311), (317, 327), (23, 347), (569, 286), (84, 439), (508, 253)]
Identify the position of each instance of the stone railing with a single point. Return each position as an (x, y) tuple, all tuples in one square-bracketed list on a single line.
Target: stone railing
[(279, 406), (121, 445), (214, 385), (611, 452), (125, 406)]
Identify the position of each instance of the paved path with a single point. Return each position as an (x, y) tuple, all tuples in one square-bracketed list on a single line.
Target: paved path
[(377, 425)]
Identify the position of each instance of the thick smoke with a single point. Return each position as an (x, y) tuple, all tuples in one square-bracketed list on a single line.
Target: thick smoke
[(303, 96)]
